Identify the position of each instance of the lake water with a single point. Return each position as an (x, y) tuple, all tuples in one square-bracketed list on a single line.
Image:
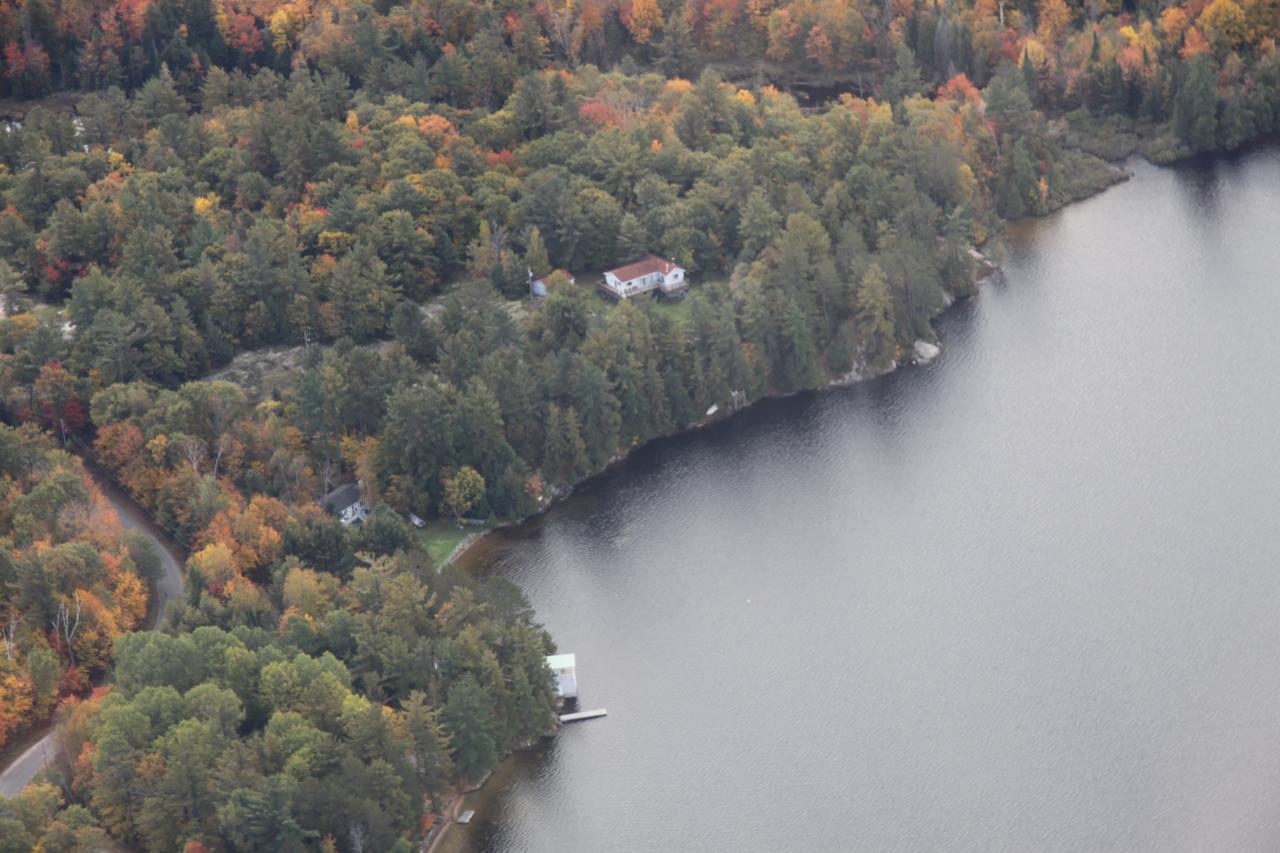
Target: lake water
[(1026, 598)]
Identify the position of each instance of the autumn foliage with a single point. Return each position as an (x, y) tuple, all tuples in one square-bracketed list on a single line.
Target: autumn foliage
[(69, 584)]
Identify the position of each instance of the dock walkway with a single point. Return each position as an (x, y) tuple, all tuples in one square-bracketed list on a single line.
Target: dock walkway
[(583, 715)]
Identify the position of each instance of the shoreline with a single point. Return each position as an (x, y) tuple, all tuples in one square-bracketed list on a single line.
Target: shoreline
[(484, 791), (448, 816), (144, 522), (987, 270), (990, 271), (1068, 272), (993, 272), (457, 801)]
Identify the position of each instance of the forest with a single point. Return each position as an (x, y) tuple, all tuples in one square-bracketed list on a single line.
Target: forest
[(368, 189), (71, 580)]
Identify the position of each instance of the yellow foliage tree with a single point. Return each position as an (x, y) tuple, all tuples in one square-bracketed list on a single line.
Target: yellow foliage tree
[(1173, 23), (1223, 23), (361, 455), (645, 18), (216, 565), (130, 600), (15, 703), (308, 592), (98, 630), (1055, 19)]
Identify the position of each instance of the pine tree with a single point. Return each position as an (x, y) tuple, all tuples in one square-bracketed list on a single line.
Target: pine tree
[(905, 80), (510, 276), (1030, 80), (532, 105), (431, 762), (799, 367), (468, 716), (12, 285), (1117, 90), (565, 455), (633, 239), (600, 418), (482, 254), (1195, 106), (677, 54), (536, 261), (875, 318), (1153, 106), (361, 293), (758, 223)]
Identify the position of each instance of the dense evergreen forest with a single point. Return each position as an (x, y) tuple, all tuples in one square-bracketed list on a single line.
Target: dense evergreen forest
[(372, 187)]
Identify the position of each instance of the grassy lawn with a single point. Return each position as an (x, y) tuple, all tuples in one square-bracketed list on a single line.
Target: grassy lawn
[(676, 309), (441, 537)]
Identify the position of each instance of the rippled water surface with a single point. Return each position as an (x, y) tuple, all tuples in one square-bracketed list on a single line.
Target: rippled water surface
[(1026, 598)]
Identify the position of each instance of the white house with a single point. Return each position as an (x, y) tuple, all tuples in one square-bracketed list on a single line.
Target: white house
[(650, 273), (346, 503), (565, 669)]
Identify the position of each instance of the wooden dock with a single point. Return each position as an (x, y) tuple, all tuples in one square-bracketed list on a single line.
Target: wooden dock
[(583, 715)]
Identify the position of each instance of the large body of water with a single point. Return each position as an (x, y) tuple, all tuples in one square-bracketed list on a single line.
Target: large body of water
[(1026, 598)]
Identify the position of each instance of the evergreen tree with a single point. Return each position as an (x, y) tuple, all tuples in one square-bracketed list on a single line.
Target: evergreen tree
[(1030, 80), (1116, 89), (905, 80), (633, 238), (564, 458), (875, 318), (599, 413), (509, 275), (1195, 106), (758, 223), (533, 105), (536, 261), (468, 717), (677, 56), (406, 250), (798, 369), (12, 286), (361, 293), (431, 762)]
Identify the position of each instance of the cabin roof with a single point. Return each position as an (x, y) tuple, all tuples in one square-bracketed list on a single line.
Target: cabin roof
[(545, 278), (341, 497), (643, 267), (539, 285), (558, 662)]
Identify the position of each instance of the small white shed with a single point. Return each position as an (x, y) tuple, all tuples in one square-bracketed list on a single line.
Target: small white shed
[(565, 668)]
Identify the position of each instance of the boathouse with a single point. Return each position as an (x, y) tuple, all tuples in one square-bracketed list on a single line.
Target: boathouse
[(565, 669)]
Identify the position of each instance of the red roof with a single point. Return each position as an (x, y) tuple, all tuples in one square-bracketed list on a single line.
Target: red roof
[(565, 273), (643, 267)]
